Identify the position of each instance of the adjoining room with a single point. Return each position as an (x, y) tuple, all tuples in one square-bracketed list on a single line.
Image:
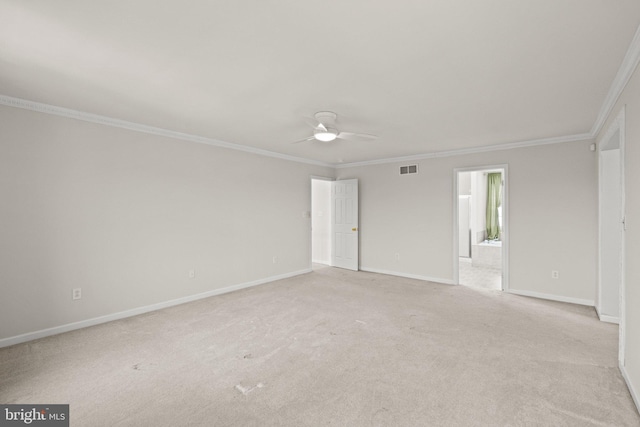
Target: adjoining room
[(481, 228)]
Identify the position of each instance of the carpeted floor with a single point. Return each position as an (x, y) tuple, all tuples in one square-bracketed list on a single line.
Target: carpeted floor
[(334, 347)]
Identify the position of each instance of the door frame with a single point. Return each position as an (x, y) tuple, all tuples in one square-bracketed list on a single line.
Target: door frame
[(618, 125), (505, 221)]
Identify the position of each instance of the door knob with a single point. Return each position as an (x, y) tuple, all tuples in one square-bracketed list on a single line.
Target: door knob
[(354, 229)]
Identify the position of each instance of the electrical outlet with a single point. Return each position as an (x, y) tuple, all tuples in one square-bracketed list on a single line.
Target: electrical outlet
[(76, 294), (555, 274), (192, 274), (275, 259)]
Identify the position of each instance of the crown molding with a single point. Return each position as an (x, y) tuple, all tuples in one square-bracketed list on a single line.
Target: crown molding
[(137, 127), (476, 150), (626, 70)]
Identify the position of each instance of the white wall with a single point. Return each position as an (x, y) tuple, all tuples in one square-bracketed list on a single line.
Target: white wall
[(630, 98), (321, 221), (125, 215), (553, 217)]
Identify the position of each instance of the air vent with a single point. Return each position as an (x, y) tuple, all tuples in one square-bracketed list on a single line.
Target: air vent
[(409, 169)]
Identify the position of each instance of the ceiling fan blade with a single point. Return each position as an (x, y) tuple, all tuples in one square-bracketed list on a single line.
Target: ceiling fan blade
[(312, 122), (311, 138), (315, 124), (356, 136)]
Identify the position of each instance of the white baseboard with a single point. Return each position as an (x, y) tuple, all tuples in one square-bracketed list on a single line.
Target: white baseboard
[(632, 390), (552, 297), (606, 318), (320, 261), (609, 319), (407, 275), (5, 342)]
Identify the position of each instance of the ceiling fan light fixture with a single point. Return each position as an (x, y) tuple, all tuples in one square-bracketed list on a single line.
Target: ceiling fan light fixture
[(325, 136), (324, 130)]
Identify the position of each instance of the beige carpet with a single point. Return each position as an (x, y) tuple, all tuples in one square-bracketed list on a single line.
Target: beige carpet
[(334, 347)]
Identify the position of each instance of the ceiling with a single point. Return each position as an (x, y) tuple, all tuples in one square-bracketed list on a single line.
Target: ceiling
[(425, 76)]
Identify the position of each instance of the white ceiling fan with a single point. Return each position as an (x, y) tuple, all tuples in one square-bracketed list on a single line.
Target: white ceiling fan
[(324, 129)]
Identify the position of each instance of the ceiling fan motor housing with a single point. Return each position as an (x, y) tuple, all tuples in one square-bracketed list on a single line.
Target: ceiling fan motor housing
[(325, 117)]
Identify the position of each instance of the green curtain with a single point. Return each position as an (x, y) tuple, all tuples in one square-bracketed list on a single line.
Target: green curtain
[(494, 198)]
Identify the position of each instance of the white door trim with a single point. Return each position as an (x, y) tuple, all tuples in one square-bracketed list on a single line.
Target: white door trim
[(617, 125), (505, 222)]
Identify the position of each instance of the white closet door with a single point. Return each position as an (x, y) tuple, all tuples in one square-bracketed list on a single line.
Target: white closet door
[(344, 221)]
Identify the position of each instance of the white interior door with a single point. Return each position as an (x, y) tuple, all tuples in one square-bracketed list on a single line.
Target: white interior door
[(344, 223)]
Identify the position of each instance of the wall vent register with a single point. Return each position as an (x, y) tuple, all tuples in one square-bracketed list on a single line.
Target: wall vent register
[(409, 169)]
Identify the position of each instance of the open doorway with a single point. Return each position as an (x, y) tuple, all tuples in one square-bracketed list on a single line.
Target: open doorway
[(334, 223), (320, 222), (610, 200), (481, 227), (610, 298)]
